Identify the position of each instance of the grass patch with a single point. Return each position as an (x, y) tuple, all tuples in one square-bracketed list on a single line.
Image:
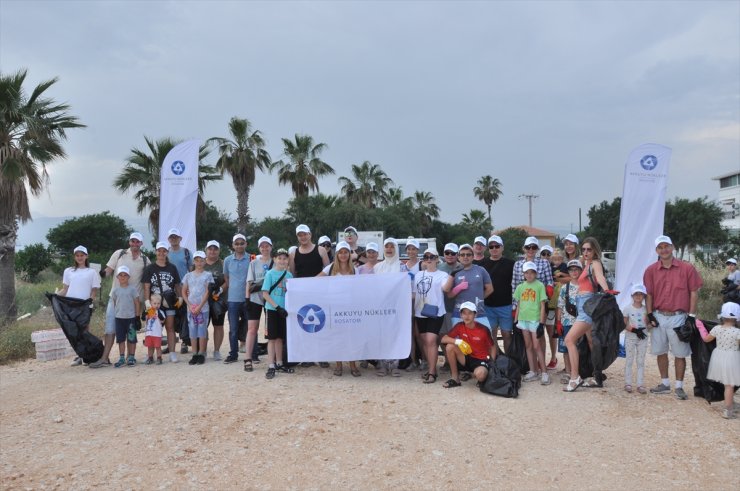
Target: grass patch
[(710, 298)]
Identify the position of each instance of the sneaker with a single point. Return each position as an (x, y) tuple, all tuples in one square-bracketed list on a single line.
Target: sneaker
[(256, 360), (530, 376), (681, 394), (324, 364), (242, 348), (149, 361), (661, 388), (121, 361), (165, 351), (76, 362), (173, 358), (728, 414), (552, 365), (201, 359), (184, 349), (131, 361), (412, 367), (159, 360), (231, 359), (193, 360), (217, 355), (545, 379), (99, 364)]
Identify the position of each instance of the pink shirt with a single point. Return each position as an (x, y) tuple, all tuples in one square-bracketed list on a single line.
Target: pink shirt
[(671, 287)]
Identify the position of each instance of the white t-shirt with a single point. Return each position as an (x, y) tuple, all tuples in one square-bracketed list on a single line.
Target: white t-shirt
[(636, 316), (428, 289), (153, 326), (327, 270), (734, 277), (256, 273), (81, 282)]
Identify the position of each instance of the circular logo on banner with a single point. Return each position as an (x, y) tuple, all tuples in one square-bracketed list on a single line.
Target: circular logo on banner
[(649, 162), (178, 167), (311, 318)]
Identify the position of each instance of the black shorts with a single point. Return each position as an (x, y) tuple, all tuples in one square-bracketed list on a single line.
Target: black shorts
[(276, 325), (254, 311), (471, 364), (429, 325), (124, 328)]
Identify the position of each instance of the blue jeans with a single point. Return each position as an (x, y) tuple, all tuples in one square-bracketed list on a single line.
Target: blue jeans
[(237, 312)]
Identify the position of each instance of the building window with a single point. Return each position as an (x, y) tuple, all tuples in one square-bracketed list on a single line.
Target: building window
[(728, 182)]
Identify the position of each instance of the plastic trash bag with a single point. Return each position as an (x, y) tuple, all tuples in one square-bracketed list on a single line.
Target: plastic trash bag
[(701, 353), (517, 350), (687, 330), (608, 322), (182, 326), (504, 378), (73, 316)]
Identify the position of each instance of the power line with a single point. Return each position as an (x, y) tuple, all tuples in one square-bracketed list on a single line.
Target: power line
[(530, 198)]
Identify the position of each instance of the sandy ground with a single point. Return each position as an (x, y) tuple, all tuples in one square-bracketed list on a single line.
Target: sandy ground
[(214, 426)]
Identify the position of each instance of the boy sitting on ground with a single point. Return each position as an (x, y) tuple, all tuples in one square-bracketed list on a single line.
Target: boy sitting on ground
[(468, 347)]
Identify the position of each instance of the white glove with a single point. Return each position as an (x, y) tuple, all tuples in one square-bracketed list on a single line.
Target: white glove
[(148, 304), (458, 341)]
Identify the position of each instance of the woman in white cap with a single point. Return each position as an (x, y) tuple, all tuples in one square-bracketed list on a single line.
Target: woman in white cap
[(161, 277), (215, 265), (325, 242), (371, 253), (357, 253), (570, 248), (256, 302), (390, 264), (79, 281), (412, 251)]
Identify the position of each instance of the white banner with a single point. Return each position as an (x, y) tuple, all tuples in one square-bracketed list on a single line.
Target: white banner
[(178, 194), (349, 318), (642, 214)]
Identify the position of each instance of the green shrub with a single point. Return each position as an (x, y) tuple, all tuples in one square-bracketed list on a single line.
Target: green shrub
[(710, 298), (32, 260)]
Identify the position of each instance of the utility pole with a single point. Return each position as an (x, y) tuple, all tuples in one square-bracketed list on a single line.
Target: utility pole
[(529, 197)]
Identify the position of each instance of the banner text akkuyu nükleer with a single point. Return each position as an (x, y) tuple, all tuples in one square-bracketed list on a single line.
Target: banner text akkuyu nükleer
[(349, 318), (642, 214), (178, 194)]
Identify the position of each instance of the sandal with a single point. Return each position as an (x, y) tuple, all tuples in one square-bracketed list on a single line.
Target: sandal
[(248, 366), (465, 376), (338, 371), (628, 389), (641, 389), (573, 385), (430, 378), (451, 384), (270, 373), (355, 372), (591, 383), (284, 369)]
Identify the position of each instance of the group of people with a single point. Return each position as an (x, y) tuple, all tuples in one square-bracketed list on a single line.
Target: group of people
[(461, 299)]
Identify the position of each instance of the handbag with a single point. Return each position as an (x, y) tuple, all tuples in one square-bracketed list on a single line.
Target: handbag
[(429, 310)]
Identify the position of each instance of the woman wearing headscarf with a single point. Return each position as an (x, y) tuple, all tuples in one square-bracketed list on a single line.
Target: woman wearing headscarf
[(390, 264)]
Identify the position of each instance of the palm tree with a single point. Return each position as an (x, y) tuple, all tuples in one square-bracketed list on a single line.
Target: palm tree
[(426, 209), (142, 173), (369, 187), (488, 191), (394, 197), (475, 221), (304, 167), (32, 129), (241, 158)]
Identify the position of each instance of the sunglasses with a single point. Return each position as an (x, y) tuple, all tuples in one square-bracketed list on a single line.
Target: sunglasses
[(327, 244), (450, 253), (430, 258), (585, 249), (465, 254), (545, 253), (531, 247), (494, 246)]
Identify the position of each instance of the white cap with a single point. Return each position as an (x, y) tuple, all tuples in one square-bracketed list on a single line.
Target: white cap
[(468, 305), (238, 236), (465, 246), (302, 228), (529, 266), (451, 246), (199, 254), (291, 249), (174, 231), (324, 238), (575, 263), (81, 249), (480, 240), (730, 310), (122, 269), (137, 236), (162, 245), (571, 238), (432, 251), (412, 242), (262, 239), (372, 246), (662, 239), (343, 245), (213, 243), (732, 260), (638, 288), (531, 241), (390, 240), (496, 239), (351, 229), (546, 248)]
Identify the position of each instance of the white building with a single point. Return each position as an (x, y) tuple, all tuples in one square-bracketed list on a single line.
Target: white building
[(729, 200)]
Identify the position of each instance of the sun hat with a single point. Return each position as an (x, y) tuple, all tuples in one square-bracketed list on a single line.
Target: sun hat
[(81, 249)]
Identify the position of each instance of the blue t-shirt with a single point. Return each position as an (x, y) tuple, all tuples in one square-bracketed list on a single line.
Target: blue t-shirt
[(278, 293), (477, 277), (178, 258), (235, 270)]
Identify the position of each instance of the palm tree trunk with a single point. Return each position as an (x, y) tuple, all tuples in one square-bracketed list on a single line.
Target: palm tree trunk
[(242, 206), (8, 236), (490, 221)]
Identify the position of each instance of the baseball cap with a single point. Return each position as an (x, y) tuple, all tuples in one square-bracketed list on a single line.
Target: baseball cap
[(732, 260), (496, 239), (432, 251), (281, 252), (468, 305), (730, 310), (324, 239), (465, 246), (480, 240), (262, 239), (529, 266), (343, 245), (137, 236), (531, 241), (372, 246), (174, 231), (162, 245), (238, 236), (413, 243), (575, 263), (302, 228), (638, 288), (351, 229), (571, 238), (199, 254), (451, 246), (122, 269), (662, 239), (81, 249), (213, 243), (546, 248)]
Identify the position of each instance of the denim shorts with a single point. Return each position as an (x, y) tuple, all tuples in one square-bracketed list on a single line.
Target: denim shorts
[(500, 317), (199, 330), (582, 315), (562, 348)]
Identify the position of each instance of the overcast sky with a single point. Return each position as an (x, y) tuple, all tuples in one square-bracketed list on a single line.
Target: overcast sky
[(549, 97)]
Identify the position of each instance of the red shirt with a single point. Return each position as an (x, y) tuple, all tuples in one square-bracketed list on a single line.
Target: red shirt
[(478, 337), (671, 287)]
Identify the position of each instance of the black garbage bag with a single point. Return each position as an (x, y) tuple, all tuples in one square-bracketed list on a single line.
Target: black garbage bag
[(517, 350), (73, 316), (686, 331), (585, 365), (732, 295), (504, 378), (217, 307), (608, 322), (182, 326), (701, 353)]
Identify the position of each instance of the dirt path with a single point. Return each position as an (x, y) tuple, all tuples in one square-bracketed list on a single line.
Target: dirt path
[(214, 426)]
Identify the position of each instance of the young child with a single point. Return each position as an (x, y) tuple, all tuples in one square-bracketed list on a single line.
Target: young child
[(565, 319), (724, 366), (195, 292), (126, 307), (468, 346), (530, 318), (559, 268), (154, 318), (273, 289), (635, 338)]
